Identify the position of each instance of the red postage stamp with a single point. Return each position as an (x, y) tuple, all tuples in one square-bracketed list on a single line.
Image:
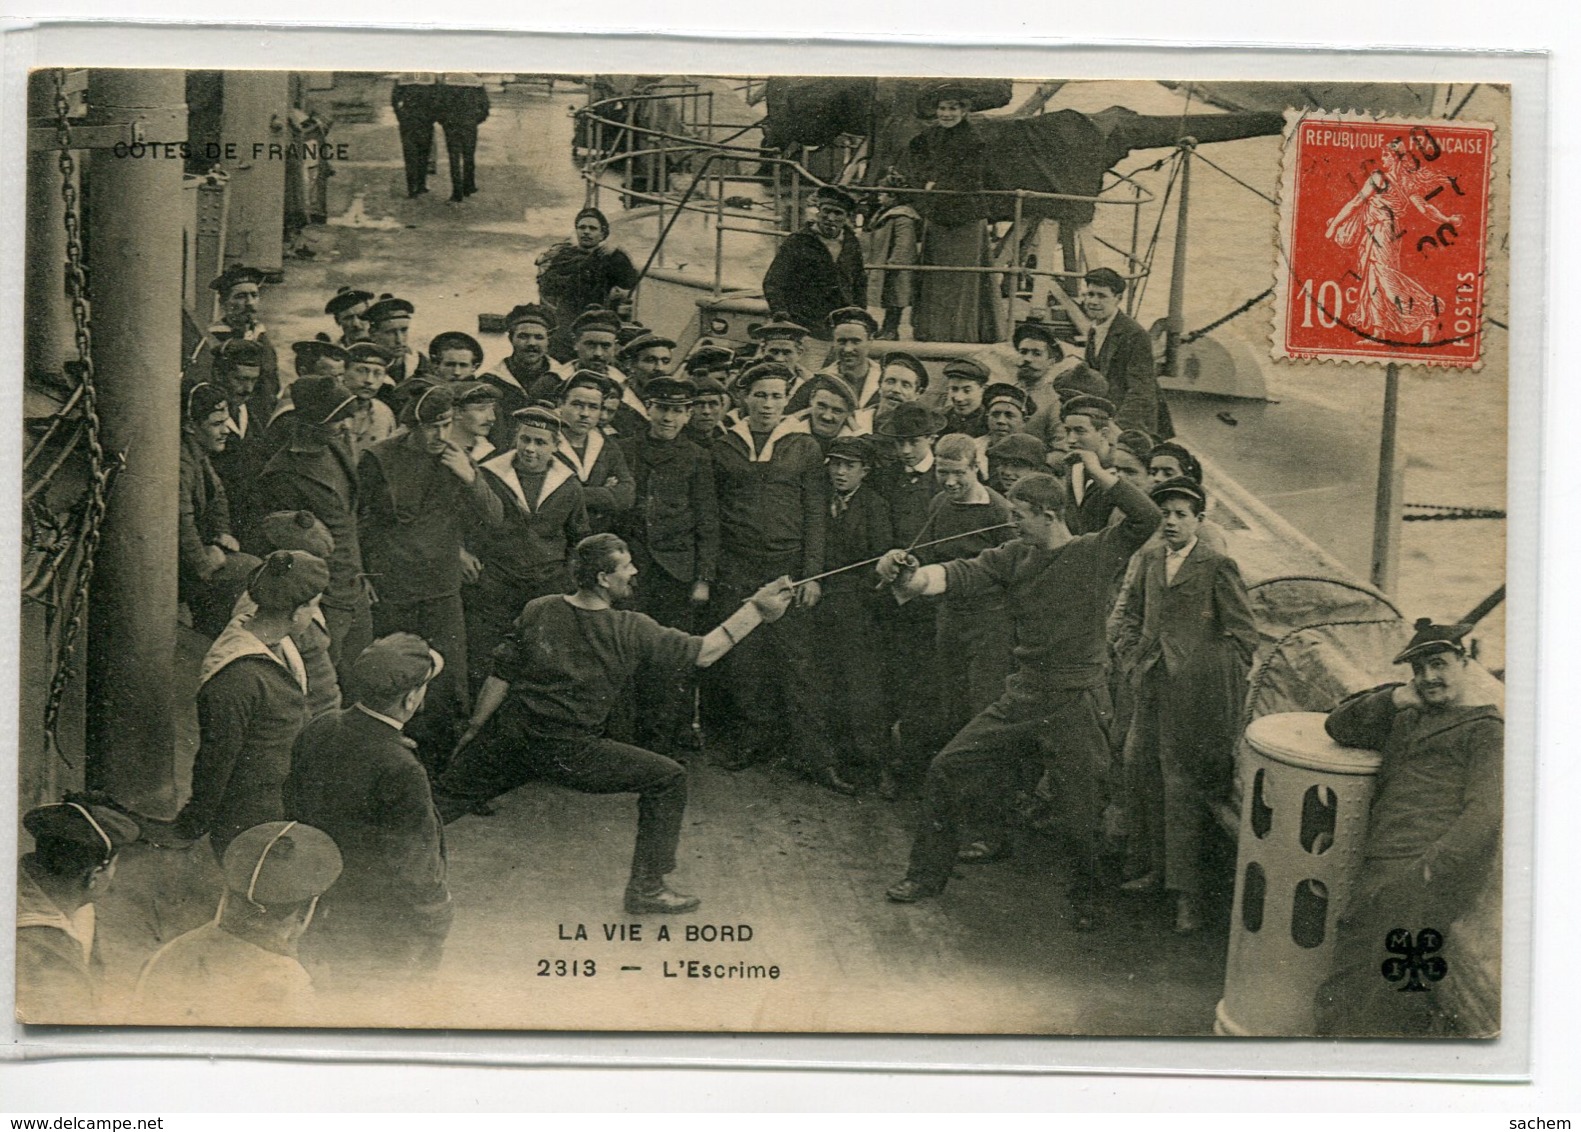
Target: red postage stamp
[(1383, 230)]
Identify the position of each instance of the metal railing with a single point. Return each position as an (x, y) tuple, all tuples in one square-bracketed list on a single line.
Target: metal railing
[(615, 142)]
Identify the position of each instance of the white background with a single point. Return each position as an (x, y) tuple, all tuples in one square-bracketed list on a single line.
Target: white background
[(146, 1086)]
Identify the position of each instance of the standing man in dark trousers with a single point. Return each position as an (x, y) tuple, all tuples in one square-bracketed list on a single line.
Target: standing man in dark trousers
[(773, 520), (315, 472), (1120, 349), (414, 98), (355, 775), (672, 532), (565, 664), (420, 495), (461, 105), (526, 555), (1056, 587), (819, 270)]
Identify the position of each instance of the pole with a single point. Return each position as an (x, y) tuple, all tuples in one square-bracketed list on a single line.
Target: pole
[(47, 328), (256, 105), (1386, 511), (1013, 241), (1177, 269), (1130, 259), (134, 247)]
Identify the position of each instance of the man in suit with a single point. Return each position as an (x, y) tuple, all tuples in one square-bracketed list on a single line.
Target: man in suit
[(315, 471), (1189, 627), (355, 775), (819, 270), (1120, 349)]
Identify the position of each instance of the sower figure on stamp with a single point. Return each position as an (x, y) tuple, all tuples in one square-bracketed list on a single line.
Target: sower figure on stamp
[(1433, 833), (673, 534), (557, 676), (1055, 586), (1188, 628)]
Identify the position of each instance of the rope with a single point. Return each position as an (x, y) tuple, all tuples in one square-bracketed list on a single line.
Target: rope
[(1158, 223), (1213, 165), (1187, 339)]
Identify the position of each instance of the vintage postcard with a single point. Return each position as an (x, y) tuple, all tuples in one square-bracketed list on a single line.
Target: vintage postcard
[(747, 553)]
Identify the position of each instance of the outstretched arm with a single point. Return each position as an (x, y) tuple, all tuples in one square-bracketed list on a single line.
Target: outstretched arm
[(768, 604)]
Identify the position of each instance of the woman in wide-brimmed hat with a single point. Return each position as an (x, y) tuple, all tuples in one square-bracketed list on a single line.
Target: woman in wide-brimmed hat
[(949, 155)]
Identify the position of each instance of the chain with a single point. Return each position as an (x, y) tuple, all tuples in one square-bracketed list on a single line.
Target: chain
[(98, 465), (1442, 511)]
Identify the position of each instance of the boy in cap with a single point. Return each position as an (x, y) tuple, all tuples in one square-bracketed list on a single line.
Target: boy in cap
[(1013, 458), (1089, 425), (599, 464), (390, 328), (819, 269), (75, 847), (555, 679), (238, 291), (477, 416), (672, 531), (241, 968), (1187, 629), (1054, 585), (368, 379), (527, 374), (421, 496), (965, 382), (348, 306), (211, 568), (1121, 350), (356, 775), (909, 486), (316, 472), (455, 356), (252, 702), (846, 629), (525, 556), (1433, 831), (773, 519)]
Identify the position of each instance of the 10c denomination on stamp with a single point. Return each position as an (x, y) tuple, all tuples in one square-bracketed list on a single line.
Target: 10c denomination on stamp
[(1383, 234)]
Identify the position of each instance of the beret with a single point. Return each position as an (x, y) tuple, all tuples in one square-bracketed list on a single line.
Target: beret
[(474, 392), (298, 530), (205, 398), (280, 863), (428, 405), (832, 383), (288, 579), (764, 371), (596, 318), (321, 400), (647, 340), (1087, 406), (1190, 466), (780, 326), (455, 340), (590, 379), (913, 419), (368, 352), (345, 298), (536, 416), (707, 358), (911, 362), (308, 351), (603, 221), (530, 312), (853, 314), (1004, 391), (241, 352), (82, 823), (708, 385), (235, 275), (391, 667), (1430, 638), (833, 194)]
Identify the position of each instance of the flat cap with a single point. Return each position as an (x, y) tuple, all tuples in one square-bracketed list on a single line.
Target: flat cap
[(1099, 408), (966, 369), (530, 312), (913, 419), (670, 391), (345, 298), (388, 309), (203, 399), (536, 416), (911, 362), (321, 400), (1033, 328), (855, 448), (829, 383), (310, 350), (1430, 638), (1107, 278), (430, 405), (391, 667), (298, 530), (1020, 448), (288, 579), (596, 318), (81, 821), (234, 276), (1005, 391), (853, 315), (1180, 487), (455, 340), (280, 863), (780, 326)]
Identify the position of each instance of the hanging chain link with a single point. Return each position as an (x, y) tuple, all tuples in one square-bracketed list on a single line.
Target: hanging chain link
[(99, 468)]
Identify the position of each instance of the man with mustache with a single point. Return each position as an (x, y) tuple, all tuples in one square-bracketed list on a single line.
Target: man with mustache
[(527, 374), (1433, 831), (239, 291)]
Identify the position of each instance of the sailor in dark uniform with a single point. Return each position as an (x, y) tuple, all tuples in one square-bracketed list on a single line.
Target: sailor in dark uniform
[(413, 98), (348, 306), (455, 356), (238, 367), (389, 327), (461, 105), (646, 357), (819, 269), (527, 374), (238, 289)]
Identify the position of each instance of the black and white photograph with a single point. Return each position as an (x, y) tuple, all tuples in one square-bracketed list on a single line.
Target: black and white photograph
[(726, 553)]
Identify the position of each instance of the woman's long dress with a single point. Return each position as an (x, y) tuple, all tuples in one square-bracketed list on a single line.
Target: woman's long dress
[(950, 307)]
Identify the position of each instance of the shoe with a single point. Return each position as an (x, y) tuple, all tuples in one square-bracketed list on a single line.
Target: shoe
[(983, 852), (664, 901), (1147, 882), (910, 891), (1186, 918)]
